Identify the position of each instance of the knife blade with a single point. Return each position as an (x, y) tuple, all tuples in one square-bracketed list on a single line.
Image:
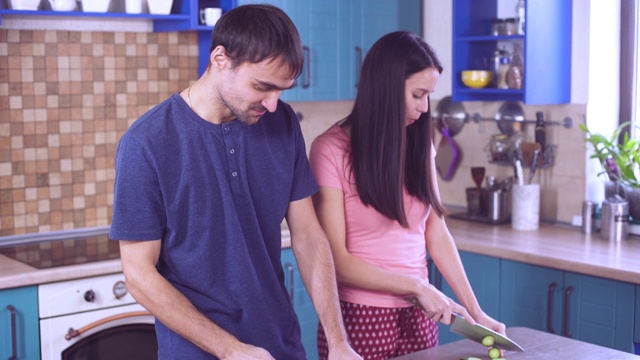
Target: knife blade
[(477, 332)]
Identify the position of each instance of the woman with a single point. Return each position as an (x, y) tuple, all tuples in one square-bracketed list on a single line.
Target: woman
[(378, 203)]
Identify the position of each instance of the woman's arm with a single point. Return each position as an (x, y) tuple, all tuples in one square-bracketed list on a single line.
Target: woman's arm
[(352, 271), (443, 251)]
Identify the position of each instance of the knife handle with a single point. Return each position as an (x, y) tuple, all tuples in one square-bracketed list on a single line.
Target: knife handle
[(565, 310), (552, 288)]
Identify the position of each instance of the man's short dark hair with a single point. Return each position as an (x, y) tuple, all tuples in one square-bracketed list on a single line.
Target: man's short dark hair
[(254, 33)]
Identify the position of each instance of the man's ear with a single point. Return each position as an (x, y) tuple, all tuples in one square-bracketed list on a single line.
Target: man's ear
[(218, 57)]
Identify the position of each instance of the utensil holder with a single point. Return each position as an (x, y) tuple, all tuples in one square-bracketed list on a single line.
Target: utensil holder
[(525, 207)]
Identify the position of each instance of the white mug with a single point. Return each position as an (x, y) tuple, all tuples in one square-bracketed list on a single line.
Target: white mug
[(133, 6), (209, 16)]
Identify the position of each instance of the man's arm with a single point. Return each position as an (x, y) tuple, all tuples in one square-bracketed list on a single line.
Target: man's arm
[(172, 308), (313, 254)]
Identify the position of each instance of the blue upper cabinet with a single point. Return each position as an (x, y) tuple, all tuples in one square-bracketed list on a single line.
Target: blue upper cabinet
[(546, 50), (363, 23), (336, 35)]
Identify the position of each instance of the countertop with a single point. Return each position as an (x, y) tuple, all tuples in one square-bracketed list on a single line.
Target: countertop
[(537, 345), (557, 246)]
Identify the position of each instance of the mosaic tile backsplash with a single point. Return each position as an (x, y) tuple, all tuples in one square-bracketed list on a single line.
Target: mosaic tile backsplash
[(66, 98)]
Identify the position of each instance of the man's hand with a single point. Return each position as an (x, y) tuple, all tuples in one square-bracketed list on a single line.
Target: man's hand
[(343, 352), (247, 352)]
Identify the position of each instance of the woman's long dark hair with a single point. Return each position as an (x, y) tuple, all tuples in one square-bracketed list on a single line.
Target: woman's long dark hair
[(385, 153)]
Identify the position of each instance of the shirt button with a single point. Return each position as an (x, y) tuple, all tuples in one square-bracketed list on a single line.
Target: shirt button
[(232, 151), (226, 128), (234, 174)]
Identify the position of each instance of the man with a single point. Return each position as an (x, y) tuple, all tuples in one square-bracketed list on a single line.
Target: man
[(203, 181)]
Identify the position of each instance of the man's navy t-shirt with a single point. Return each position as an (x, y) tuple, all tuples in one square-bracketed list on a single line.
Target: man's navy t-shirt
[(216, 195)]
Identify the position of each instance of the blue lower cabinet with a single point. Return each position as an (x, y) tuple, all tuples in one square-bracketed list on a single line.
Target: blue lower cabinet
[(483, 273), (636, 337), (598, 310), (530, 296), (19, 324), (301, 304), (582, 307)]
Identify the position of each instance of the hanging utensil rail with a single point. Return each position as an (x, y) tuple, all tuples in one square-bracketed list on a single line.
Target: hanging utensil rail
[(566, 122)]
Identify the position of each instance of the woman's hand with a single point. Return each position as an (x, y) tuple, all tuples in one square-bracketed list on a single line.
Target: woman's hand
[(488, 322), (437, 305)]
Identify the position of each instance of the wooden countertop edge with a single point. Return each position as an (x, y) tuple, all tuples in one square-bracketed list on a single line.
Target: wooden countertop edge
[(16, 274), (587, 255), (551, 262)]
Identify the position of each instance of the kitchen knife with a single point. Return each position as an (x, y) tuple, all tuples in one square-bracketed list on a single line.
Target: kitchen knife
[(477, 332)]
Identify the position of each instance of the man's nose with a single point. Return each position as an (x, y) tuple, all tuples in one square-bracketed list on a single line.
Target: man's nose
[(271, 101)]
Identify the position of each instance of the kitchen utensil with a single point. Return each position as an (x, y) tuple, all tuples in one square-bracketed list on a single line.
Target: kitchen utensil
[(476, 79), (477, 332), (477, 174), (509, 112), (534, 165), (451, 115), (448, 156)]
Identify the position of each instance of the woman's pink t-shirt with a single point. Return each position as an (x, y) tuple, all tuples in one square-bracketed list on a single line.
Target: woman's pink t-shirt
[(370, 235)]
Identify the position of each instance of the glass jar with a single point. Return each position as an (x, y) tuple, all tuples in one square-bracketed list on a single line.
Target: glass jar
[(500, 148), (510, 26)]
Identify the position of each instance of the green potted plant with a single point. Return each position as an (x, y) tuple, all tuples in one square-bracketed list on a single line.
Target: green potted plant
[(620, 160)]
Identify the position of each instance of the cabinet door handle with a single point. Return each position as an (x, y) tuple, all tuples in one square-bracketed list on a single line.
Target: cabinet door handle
[(552, 288), (14, 334), (565, 310), (358, 63), (291, 282), (307, 51)]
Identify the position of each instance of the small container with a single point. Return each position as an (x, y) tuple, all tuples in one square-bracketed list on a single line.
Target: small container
[(510, 26), (615, 219), (498, 206), (497, 28), (476, 202), (588, 217), (515, 73), (500, 148), (502, 73)]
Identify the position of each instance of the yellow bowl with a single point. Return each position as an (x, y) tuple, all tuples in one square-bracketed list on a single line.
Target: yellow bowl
[(476, 79)]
